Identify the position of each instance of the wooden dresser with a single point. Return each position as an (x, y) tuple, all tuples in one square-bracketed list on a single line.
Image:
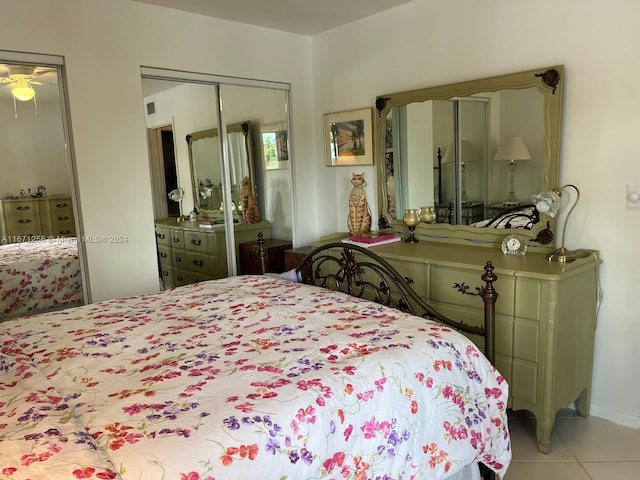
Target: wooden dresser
[(188, 253), (37, 218), (545, 318)]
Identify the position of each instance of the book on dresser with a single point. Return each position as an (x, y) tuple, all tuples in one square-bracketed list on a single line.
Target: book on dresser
[(372, 239)]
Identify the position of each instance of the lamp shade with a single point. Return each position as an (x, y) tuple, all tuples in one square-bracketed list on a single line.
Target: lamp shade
[(513, 148), (468, 153)]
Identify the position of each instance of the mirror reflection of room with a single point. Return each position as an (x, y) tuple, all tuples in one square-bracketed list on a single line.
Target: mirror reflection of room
[(223, 189), (39, 261), (475, 151)]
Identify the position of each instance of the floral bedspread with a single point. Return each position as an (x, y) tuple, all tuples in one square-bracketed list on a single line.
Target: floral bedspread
[(39, 275), (249, 377)]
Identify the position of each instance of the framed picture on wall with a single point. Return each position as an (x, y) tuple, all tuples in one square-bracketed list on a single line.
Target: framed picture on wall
[(274, 144), (349, 137)]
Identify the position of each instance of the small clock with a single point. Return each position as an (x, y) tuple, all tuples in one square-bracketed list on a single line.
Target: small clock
[(514, 244)]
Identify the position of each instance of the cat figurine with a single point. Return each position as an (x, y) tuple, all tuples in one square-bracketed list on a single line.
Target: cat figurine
[(359, 219), (250, 210)]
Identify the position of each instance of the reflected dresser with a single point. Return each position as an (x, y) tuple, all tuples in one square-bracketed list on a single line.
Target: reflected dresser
[(188, 253), (36, 218)]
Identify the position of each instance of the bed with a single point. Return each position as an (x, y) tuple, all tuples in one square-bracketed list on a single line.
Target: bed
[(252, 377), (39, 275)]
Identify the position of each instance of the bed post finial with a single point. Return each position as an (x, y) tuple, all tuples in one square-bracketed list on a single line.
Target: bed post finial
[(489, 297), (262, 253)]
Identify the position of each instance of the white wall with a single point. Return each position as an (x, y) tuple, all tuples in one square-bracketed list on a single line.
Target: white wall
[(33, 148), (104, 43), (432, 42)]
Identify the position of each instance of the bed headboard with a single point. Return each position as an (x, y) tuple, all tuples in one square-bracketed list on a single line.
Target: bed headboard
[(358, 271)]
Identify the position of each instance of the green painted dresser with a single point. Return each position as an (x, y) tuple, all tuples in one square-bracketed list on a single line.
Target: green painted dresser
[(545, 317)]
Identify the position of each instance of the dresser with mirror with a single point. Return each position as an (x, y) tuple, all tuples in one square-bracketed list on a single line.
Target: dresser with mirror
[(442, 147), (192, 250)]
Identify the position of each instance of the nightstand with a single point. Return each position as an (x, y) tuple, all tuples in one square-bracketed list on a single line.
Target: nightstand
[(273, 260), (294, 256)]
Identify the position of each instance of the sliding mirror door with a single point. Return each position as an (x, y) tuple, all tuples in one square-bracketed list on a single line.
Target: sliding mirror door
[(214, 170), (40, 258)]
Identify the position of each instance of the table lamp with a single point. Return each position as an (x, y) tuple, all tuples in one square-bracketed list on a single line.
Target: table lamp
[(512, 149), (548, 202)]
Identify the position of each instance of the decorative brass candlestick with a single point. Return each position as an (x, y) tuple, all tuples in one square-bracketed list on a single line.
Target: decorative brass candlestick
[(411, 218)]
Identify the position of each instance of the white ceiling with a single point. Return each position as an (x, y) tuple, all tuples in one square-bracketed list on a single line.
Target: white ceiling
[(306, 17)]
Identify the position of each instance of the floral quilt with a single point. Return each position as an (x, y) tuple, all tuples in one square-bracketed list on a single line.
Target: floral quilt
[(244, 378), (39, 275)]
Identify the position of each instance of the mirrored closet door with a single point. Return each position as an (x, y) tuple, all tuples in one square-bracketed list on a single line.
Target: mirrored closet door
[(40, 256), (222, 178)]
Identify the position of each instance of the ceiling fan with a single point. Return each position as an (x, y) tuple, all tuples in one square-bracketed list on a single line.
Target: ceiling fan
[(21, 79)]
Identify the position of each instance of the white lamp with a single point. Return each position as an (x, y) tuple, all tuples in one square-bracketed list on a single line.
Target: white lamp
[(467, 154), (512, 149), (549, 202)]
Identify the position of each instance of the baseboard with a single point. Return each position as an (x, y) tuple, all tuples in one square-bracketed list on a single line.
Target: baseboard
[(614, 416)]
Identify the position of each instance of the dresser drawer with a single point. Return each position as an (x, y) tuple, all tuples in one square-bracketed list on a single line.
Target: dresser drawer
[(63, 229), (179, 258), (63, 205), (199, 242), (180, 277), (448, 285), (163, 236), (165, 255), (201, 263), (176, 238), (20, 207)]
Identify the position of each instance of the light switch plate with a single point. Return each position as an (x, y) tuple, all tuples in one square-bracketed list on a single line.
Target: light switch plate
[(633, 197)]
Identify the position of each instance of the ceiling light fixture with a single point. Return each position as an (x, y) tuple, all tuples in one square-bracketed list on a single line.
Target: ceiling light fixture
[(23, 91)]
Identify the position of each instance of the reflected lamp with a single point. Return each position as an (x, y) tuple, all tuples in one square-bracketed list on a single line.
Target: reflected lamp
[(512, 149), (549, 202)]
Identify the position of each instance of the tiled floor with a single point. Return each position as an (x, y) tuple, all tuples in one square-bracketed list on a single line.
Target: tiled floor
[(581, 449)]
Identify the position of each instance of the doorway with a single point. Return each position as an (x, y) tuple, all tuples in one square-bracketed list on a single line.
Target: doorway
[(164, 173)]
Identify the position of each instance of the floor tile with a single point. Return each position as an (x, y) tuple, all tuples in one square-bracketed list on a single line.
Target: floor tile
[(612, 470), (546, 471), (597, 439), (525, 445)]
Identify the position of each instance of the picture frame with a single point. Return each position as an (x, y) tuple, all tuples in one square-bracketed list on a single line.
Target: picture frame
[(274, 146), (349, 137)]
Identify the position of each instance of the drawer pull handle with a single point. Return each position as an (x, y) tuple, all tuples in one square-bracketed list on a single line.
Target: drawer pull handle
[(178, 259), (176, 239), (163, 255), (63, 219), (165, 273), (25, 207), (198, 263), (26, 220), (180, 278), (65, 232), (196, 241), (161, 236), (62, 205), (463, 288)]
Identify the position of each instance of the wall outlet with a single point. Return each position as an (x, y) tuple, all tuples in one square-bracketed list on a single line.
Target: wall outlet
[(633, 197)]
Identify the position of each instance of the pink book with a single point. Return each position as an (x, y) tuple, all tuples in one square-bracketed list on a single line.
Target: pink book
[(372, 238)]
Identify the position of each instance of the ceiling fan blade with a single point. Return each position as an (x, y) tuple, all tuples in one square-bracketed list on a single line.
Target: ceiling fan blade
[(6, 80)]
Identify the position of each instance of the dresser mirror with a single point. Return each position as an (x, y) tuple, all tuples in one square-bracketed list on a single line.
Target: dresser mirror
[(473, 150), (206, 173)]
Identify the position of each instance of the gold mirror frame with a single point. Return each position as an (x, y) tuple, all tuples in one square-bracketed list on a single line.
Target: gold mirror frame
[(549, 82), (245, 129)]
